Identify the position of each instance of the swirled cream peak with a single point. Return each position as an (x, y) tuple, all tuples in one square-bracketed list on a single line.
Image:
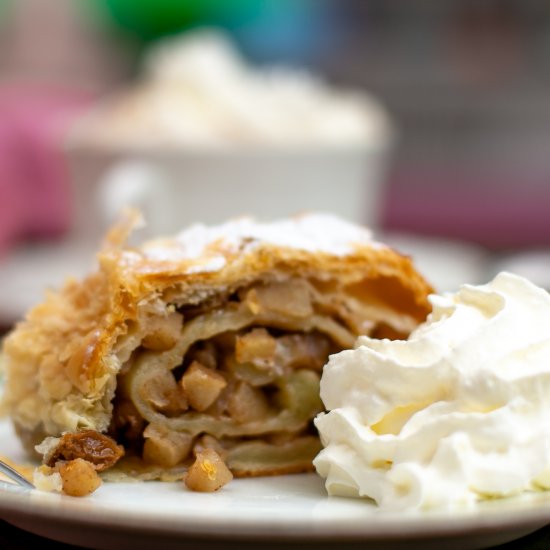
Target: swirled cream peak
[(457, 413)]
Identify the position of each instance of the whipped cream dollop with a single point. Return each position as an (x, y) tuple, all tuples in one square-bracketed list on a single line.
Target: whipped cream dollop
[(457, 413)]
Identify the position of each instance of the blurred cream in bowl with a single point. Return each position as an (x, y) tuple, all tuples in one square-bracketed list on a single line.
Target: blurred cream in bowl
[(204, 136)]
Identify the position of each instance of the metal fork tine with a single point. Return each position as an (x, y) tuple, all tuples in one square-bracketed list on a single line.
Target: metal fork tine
[(14, 475)]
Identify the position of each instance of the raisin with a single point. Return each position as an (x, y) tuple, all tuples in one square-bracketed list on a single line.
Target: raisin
[(101, 450)]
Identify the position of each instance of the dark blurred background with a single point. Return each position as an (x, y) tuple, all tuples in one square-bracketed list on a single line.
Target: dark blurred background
[(466, 82)]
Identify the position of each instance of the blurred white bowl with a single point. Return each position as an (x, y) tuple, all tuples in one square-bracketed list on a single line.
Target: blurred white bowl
[(175, 189)]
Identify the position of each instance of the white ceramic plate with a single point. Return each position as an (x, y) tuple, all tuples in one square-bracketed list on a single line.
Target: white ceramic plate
[(289, 509)]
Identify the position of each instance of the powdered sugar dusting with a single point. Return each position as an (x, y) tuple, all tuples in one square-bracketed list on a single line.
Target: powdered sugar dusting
[(214, 263), (311, 232)]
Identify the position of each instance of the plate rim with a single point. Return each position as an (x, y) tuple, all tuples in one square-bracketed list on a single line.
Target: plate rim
[(378, 525), (528, 511)]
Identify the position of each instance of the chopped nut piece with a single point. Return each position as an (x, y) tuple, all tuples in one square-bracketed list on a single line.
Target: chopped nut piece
[(247, 403), (256, 347), (79, 477), (165, 447), (208, 473), (163, 332), (92, 446), (202, 385)]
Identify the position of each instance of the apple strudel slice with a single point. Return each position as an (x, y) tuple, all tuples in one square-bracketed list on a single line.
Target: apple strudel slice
[(211, 340)]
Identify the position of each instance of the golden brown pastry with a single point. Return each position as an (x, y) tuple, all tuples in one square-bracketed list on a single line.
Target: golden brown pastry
[(213, 339)]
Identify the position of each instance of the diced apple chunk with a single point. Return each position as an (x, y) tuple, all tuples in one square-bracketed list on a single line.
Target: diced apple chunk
[(246, 403), (208, 473), (202, 386), (165, 447), (291, 298), (257, 347), (163, 332)]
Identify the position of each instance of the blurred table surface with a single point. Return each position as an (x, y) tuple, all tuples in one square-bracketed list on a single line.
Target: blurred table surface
[(13, 538)]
